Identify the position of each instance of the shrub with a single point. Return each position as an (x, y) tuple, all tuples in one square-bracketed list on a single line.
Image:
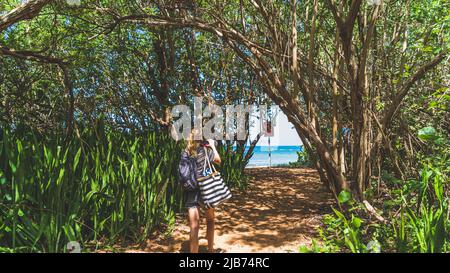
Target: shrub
[(102, 184)]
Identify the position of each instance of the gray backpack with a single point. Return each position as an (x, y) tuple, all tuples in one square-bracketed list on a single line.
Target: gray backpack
[(188, 172)]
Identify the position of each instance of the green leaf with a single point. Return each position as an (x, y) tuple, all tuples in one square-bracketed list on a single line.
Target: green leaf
[(344, 196), (427, 133), (440, 141), (13, 167), (76, 159), (356, 222), (8, 197)]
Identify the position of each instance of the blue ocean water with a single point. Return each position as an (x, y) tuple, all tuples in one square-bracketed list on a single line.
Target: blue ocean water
[(279, 155)]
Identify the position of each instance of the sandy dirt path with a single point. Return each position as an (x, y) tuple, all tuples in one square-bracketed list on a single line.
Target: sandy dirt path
[(280, 211)]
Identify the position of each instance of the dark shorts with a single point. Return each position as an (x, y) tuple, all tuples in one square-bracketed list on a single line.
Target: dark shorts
[(192, 199)]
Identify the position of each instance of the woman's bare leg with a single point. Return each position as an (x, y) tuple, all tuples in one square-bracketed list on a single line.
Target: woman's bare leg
[(194, 221), (210, 229)]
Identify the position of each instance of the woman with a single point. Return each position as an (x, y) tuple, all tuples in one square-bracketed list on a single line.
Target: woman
[(196, 148)]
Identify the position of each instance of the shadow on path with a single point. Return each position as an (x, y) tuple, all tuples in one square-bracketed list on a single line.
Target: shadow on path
[(280, 211)]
